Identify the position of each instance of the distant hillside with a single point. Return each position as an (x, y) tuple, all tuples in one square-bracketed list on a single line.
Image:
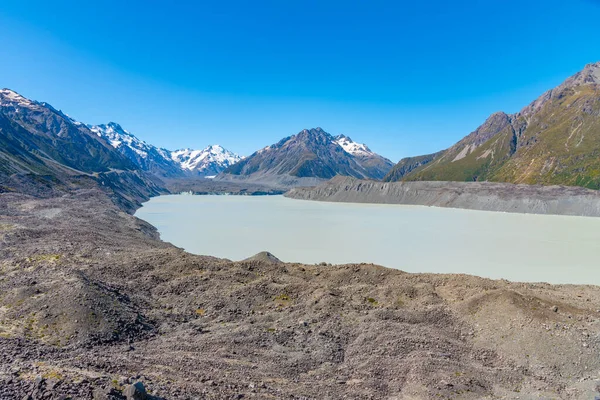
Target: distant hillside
[(554, 140), (307, 158)]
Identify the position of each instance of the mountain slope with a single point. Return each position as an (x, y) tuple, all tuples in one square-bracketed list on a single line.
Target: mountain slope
[(307, 158), (53, 135), (554, 140), (44, 153), (409, 164), (477, 155)]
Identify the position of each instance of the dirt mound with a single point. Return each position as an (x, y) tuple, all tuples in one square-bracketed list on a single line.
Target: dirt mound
[(60, 306), (264, 256)]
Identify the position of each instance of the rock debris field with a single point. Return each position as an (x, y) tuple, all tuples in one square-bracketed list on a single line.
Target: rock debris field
[(94, 306)]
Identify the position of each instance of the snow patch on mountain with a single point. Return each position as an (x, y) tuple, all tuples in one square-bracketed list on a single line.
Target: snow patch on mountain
[(351, 147), (11, 98), (210, 160), (205, 159), (117, 137)]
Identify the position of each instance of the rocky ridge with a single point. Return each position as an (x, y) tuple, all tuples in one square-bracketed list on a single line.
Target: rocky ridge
[(45, 153), (484, 196)]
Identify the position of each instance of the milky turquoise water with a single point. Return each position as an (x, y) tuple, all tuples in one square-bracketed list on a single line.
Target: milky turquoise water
[(518, 247)]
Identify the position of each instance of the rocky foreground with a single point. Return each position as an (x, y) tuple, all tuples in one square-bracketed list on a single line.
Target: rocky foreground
[(484, 196), (94, 305)]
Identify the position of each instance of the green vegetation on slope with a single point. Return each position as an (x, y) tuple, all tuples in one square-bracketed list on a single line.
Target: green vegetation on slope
[(561, 144), (555, 140)]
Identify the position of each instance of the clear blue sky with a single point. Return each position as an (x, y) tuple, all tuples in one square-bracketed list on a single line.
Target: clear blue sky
[(404, 77)]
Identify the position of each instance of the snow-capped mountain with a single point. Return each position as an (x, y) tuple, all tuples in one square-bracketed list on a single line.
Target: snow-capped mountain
[(209, 161), (306, 158), (120, 138), (206, 162), (146, 156)]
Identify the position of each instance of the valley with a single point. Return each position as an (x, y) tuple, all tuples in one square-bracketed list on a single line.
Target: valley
[(93, 302)]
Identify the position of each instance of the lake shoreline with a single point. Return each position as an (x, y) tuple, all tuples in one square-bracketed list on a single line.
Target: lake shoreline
[(513, 246)]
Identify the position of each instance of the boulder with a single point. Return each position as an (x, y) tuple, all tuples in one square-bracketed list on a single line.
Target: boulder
[(137, 391)]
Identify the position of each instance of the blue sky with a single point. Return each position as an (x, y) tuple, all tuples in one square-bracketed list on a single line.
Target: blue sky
[(406, 78)]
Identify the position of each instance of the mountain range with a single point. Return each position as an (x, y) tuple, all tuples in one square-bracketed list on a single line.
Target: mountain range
[(43, 120), (553, 140), (308, 158), (45, 152), (162, 162)]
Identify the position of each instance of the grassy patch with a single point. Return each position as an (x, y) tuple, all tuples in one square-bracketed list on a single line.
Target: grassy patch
[(6, 227), (282, 300), (115, 384), (53, 374), (201, 312), (53, 258)]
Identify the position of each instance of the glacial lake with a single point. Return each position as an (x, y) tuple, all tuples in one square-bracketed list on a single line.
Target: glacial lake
[(517, 247)]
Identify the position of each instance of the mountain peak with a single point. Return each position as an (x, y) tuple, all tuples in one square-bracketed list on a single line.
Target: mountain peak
[(210, 160), (312, 131), (9, 92), (114, 125), (342, 136), (593, 66), (592, 72), (307, 157), (589, 75), (351, 147), (11, 97)]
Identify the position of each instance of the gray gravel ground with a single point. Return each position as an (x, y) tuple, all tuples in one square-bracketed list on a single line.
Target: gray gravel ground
[(91, 301)]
